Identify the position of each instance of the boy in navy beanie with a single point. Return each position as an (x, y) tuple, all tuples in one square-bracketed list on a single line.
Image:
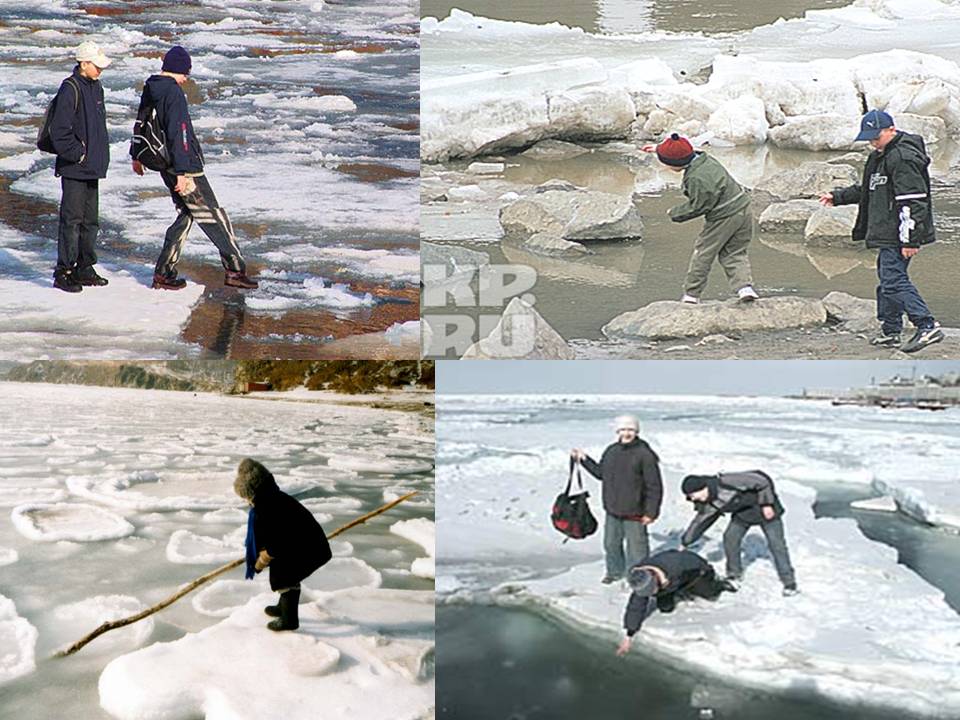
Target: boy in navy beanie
[(712, 192), (191, 192)]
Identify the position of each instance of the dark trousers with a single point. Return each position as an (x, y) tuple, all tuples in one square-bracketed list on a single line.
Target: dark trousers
[(705, 586), (199, 207), (897, 295), (776, 541), (79, 223)]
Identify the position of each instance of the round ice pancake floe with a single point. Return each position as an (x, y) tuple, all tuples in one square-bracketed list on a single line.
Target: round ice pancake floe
[(77, 522), (341, 573), (186, 547), (222, 597), (70, 622), (18, 640)]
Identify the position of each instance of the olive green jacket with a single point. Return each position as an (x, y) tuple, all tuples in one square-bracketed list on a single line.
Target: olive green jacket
[(710, 191)]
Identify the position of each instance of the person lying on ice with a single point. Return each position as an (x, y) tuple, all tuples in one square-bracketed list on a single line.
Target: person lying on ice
[(632, 491), (728, 229), (660, 581), (185, 179), (750, 499), (282, 535)]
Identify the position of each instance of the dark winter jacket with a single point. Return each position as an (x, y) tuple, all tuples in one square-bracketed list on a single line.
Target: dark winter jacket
[(682, 568), (710, 190), (163, 93), (742, 495), (630, 474), (78, 129), (896, 209), (290, 535)]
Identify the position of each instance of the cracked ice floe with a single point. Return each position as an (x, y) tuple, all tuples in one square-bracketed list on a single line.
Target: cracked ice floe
[(930, 501), (77, 522), (18, 641), (369, 656), (69, 622), (423, 532), (864, 628)]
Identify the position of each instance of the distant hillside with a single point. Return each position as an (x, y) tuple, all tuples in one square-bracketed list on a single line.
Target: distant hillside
[(346, 376), (187, 375)]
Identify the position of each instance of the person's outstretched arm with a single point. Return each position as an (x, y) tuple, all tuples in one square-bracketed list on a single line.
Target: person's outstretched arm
[(704, 519)]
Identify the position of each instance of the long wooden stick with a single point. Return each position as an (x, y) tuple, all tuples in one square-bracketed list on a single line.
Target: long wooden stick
[(114, 624)]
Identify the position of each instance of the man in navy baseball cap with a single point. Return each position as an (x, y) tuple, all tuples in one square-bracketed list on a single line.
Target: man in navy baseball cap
[(872, 124)]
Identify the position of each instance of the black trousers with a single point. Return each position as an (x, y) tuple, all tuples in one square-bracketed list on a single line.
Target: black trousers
[(199, 207), (706, 585), (79, 223)]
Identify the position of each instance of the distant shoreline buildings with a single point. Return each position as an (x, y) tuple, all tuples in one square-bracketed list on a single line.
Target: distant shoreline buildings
[(923, 392)]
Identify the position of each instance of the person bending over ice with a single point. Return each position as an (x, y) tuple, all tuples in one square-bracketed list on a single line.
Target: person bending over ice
[(660, 581), (282, 535), (750, 499)]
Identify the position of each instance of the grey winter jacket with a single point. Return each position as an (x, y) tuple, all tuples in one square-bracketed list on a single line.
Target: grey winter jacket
[(630, 474), (741, 494)]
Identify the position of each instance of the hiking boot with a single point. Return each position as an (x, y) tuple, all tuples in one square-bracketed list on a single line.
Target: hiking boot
[(923, 337), (239, 280), (168, 282), (747, 294), (790, 590), (66, 280), (88, 276), (272, 610), (885, 339), (289, 618), (690, 299), (609, 579)]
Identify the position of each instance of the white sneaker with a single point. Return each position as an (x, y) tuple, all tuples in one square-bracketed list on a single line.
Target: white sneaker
[(690, 300), (747, 294), (790, 591)]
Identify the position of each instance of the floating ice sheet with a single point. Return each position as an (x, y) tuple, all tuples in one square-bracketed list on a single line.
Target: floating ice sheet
[(78, 522), (18, 638)]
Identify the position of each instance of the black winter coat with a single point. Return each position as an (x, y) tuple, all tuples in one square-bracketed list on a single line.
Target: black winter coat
[(740, 494), (682, 567), (896, 209), (630, 474), (163, 93), (291, 536), (78, 129)]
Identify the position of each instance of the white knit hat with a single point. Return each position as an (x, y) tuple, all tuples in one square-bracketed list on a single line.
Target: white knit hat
[(89, 51), (627, 422)]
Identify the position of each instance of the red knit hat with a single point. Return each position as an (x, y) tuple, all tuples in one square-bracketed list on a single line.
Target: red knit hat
[(676, 151)]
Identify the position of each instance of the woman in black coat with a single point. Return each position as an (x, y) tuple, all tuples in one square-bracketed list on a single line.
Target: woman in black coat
[(282, 535)]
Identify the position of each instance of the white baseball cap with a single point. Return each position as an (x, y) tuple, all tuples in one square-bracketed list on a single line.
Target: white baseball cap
[(627, 422), (89, 51)]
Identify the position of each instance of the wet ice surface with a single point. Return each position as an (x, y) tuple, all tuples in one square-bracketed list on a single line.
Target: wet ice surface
[(164, 463), (502, 461), (308, 114)]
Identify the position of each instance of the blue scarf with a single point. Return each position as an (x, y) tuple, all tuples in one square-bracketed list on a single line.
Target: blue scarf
[(251, 547)]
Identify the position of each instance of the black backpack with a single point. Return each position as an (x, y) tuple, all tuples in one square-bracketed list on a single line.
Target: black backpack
[(44, 142), (571, 513), (149, 141)]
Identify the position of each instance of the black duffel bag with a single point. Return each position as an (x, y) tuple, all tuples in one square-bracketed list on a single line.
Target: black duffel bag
[(571, 513)]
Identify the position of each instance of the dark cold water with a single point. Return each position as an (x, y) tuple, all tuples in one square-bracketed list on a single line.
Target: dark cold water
[(511, 664)]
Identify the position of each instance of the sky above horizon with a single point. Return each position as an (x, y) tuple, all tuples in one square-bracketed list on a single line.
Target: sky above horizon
[(686, 377)]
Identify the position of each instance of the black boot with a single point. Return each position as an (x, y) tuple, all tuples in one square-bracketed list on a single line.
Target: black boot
[(89, 276), (289, 618), (65, 279), (273, 610)]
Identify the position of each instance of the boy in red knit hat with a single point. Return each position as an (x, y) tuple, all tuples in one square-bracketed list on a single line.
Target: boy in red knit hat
[(713, 193)]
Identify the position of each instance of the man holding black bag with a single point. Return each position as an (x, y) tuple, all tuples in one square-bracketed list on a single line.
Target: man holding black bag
[(632, 491)]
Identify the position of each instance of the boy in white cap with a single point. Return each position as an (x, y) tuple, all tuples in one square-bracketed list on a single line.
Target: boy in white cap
[(78, 133), (632, 490)]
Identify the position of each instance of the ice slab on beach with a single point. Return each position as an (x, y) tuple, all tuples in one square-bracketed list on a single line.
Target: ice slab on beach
[(77, 522), (354, 659), (423, 532), (18, 640)]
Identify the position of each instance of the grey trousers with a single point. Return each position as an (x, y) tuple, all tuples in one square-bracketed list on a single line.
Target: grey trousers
[(725, 241), (776, 541), (616, 532), (200, 206)]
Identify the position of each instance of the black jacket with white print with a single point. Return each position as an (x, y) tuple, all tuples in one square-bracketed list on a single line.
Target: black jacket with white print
[(896, 209)]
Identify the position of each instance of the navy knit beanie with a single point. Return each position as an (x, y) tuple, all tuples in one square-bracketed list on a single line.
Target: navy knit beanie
[(693, 483), (177, 60), (676, 151)]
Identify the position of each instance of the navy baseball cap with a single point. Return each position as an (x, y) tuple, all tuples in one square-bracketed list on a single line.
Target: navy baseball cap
[(872, 123)]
